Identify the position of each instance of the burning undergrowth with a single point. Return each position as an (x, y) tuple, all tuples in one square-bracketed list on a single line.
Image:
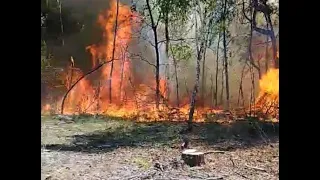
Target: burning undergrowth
[(268, 99), (117, 91)]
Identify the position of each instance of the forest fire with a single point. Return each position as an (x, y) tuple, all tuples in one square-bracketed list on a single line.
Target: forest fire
[(129, 98), (117, 92)]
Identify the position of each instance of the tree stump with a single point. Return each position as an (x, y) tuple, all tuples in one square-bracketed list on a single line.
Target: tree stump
[(193, 157)]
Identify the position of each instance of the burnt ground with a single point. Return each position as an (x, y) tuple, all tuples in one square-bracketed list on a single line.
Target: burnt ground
[(101, 148)]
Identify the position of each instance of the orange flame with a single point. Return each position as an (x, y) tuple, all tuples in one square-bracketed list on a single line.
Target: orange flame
[(268, 99), (131, 96)]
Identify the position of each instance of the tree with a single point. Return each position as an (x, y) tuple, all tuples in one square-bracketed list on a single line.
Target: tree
[(56, 21), (154, 26), (166, 11), (113, 52), (261, 6), (179, 52), (200, 48), (224, 35)]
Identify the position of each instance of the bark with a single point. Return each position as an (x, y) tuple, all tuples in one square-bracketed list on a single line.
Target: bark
[(200, 50), (267, 52), (222, 83), (155, 33), (176, 78), (121, 78), (98, 95), (193, 157), (240, 95), (212, 91), (61, 23), (217, 70), (261, 6), (195, 91), (166, 27), (203, 86), (113, 52), (225, 55), (252, 92)]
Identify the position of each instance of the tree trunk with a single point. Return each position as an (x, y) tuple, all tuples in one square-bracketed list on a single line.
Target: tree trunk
[(155, 33), (240, 95), (196, 86), (274, 42), (121, 77), (252, 92), (266, 10), (217, 70), (98, 96), (203, 85), (176, 78), (61, 23), (267, 52), (212, 91), (113, 53), (166, 27), (225, 55)]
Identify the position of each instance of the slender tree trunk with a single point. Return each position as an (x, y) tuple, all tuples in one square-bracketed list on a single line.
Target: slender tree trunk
[(212, 91), (222, 83), (225, 55), (121, 78), (267, 52), (166, 27), (196, 87), (177, 85), (113, 53), (274, 42), (200, 50), (203, 85), (155, 33), (98, 96), (61, 23), (217, 70), (252, 93), (240, 95), (176, 78)]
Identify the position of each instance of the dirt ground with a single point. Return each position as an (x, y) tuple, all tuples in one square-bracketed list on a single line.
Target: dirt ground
[(101, 148)]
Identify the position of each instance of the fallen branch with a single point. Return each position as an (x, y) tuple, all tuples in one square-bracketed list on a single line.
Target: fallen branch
[(210, 152), (214, 178), (256, 168)]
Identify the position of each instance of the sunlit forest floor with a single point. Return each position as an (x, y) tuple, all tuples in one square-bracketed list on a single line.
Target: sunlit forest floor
[(109, 148)]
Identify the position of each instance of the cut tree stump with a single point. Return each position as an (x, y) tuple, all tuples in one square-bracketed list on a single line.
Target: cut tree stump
[(193, 157)]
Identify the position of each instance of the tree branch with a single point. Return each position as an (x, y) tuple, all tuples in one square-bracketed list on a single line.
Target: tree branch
[(82, 77)]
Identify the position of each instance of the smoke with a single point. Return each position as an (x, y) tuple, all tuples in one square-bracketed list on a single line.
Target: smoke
[(141, 50)]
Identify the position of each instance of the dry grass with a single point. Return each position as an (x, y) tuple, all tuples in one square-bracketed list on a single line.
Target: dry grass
[(116, 149)]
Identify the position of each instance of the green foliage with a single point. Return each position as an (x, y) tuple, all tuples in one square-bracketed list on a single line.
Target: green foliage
[(175, 9), (181, 52)]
